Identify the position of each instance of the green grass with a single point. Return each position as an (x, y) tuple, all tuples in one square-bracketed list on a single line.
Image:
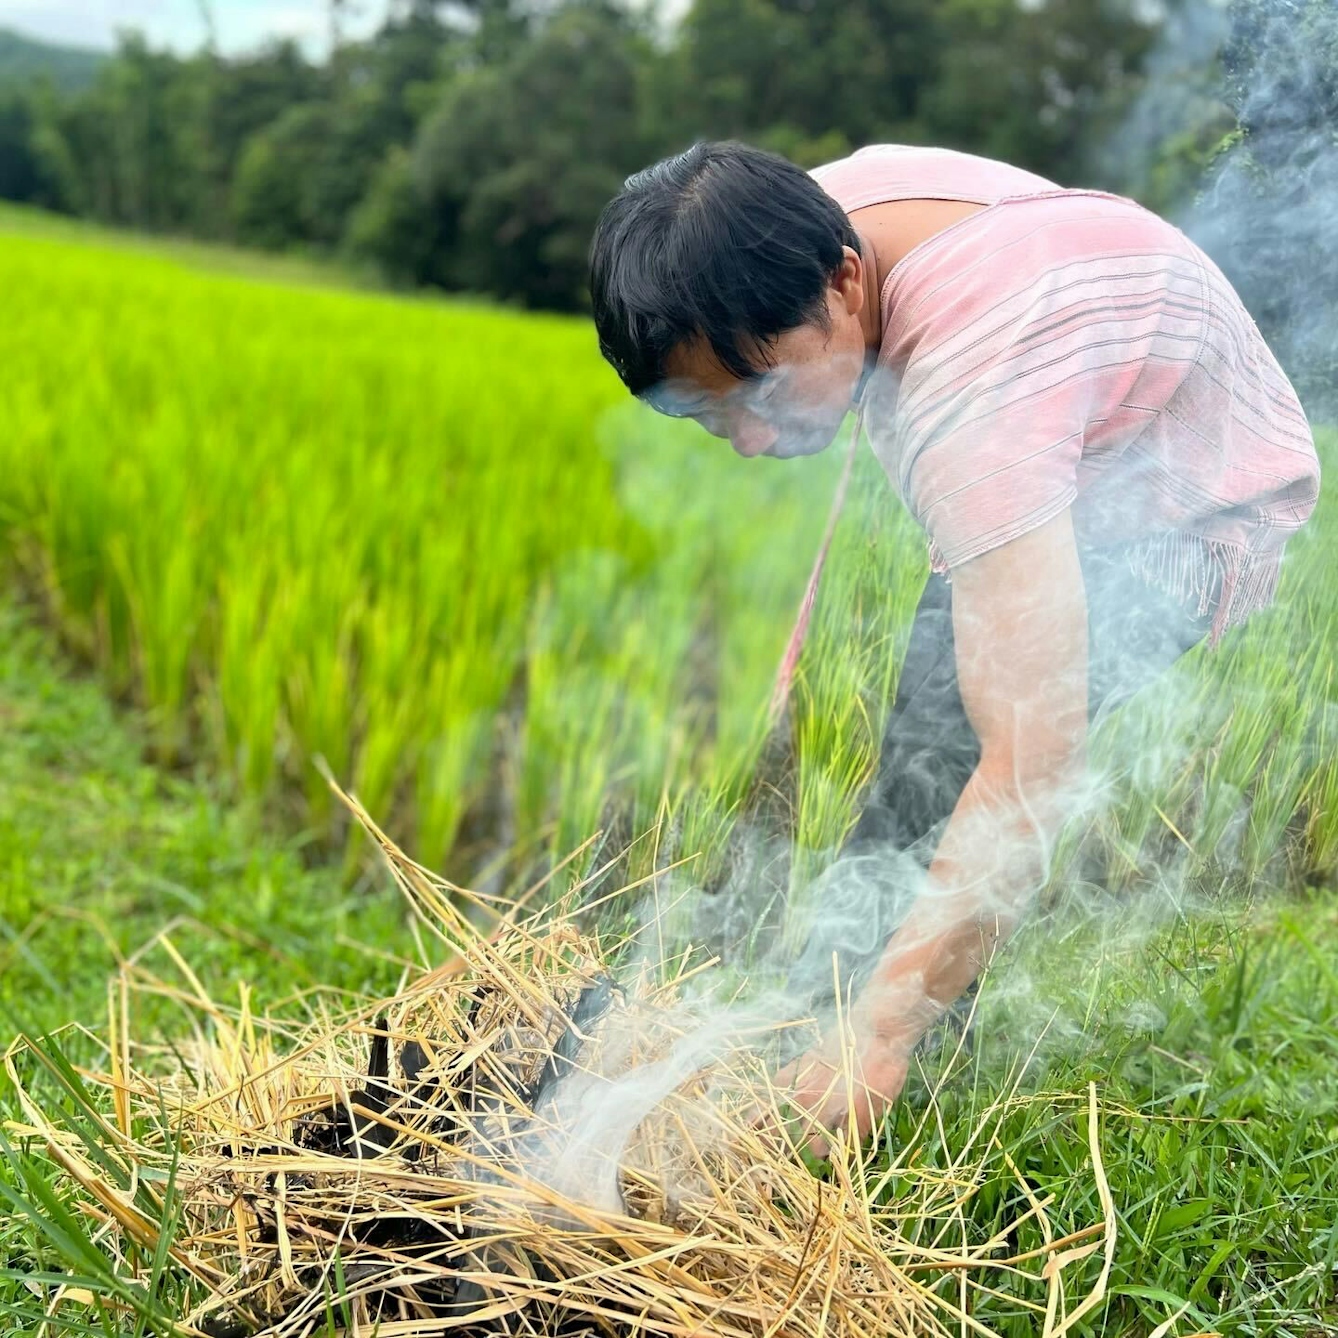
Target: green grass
[(1210, 1034), (19, 220), (1209, 1024), (100, 852)]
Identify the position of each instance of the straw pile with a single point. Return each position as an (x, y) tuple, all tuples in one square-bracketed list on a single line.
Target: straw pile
[(519, 1143)]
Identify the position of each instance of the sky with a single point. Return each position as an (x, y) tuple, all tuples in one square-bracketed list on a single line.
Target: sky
[(242, 24)]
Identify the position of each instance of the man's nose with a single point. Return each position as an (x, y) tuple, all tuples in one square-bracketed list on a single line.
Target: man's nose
[(750, 436)]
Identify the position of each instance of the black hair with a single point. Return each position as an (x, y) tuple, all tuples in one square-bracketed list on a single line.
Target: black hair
[(724, 242)]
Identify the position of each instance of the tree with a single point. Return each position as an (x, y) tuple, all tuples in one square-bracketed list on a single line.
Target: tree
[(236, 100), (22, 177), (524, 154), (122, 150), (798, 71), (396, 230), (1038, 85), (282, 192)]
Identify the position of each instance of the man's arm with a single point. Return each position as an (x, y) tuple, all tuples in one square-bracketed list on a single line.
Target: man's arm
[(1020, 628)]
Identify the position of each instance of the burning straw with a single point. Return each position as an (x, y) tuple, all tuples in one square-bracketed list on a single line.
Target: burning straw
[(464, 1157)]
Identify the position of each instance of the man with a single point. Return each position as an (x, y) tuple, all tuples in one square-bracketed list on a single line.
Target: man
[(1070, 398)]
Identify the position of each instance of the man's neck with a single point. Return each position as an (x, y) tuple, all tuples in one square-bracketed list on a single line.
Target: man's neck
[(871, 317)]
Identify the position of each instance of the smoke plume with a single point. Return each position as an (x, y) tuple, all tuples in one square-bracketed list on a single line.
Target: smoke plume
[(1235, 138)]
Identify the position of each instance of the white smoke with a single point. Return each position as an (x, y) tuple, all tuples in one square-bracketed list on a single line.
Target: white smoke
[(1254, 84), (1265, 212)]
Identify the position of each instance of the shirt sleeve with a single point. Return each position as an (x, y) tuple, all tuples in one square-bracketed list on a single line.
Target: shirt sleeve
[(1011, 398), (983, 483), (994, 427)]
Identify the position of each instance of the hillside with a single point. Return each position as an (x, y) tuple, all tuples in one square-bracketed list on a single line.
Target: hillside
[(23, 60)]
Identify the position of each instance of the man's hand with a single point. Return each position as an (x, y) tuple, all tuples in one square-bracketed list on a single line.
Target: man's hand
[(818, 1084)]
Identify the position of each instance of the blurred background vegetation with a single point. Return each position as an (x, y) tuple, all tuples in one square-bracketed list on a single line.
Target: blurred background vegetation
[(470, 145)]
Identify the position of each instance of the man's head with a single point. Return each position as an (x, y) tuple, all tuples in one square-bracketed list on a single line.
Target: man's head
[(728, 287)]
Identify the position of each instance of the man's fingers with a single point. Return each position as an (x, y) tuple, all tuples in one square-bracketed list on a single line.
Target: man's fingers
[(817, 1086), (818, 1091)]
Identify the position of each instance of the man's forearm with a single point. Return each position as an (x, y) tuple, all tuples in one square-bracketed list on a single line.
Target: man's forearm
[(990, 863)]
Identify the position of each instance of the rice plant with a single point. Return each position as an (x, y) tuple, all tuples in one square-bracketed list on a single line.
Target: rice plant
[(435, 545)]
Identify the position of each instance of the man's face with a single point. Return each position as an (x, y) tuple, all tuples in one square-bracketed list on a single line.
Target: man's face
[(794, 407)]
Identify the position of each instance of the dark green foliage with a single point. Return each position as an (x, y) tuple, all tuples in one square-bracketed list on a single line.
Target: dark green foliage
[(472, 145), (24, 176), (237, 100), (397, 228), (125, 151), (290, 183), (522, 155), (805, 68), (1037, 85)]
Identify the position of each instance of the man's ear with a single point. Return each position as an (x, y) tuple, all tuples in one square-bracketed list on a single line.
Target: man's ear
[(849, 281)]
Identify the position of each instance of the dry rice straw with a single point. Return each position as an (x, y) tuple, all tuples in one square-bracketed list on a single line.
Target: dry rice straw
[(723, 1230)]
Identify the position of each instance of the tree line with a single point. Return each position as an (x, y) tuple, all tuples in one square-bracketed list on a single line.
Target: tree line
[(469, 145)]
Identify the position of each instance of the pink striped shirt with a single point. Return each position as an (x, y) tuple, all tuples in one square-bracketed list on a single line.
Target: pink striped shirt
[(1068, 348)]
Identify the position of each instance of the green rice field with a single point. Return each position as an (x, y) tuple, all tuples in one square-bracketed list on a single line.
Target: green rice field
[(272, 522), (432, 545), (426, 543)]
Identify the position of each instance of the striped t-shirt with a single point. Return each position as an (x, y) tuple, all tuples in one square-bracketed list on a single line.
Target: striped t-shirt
[(1068, 348)]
